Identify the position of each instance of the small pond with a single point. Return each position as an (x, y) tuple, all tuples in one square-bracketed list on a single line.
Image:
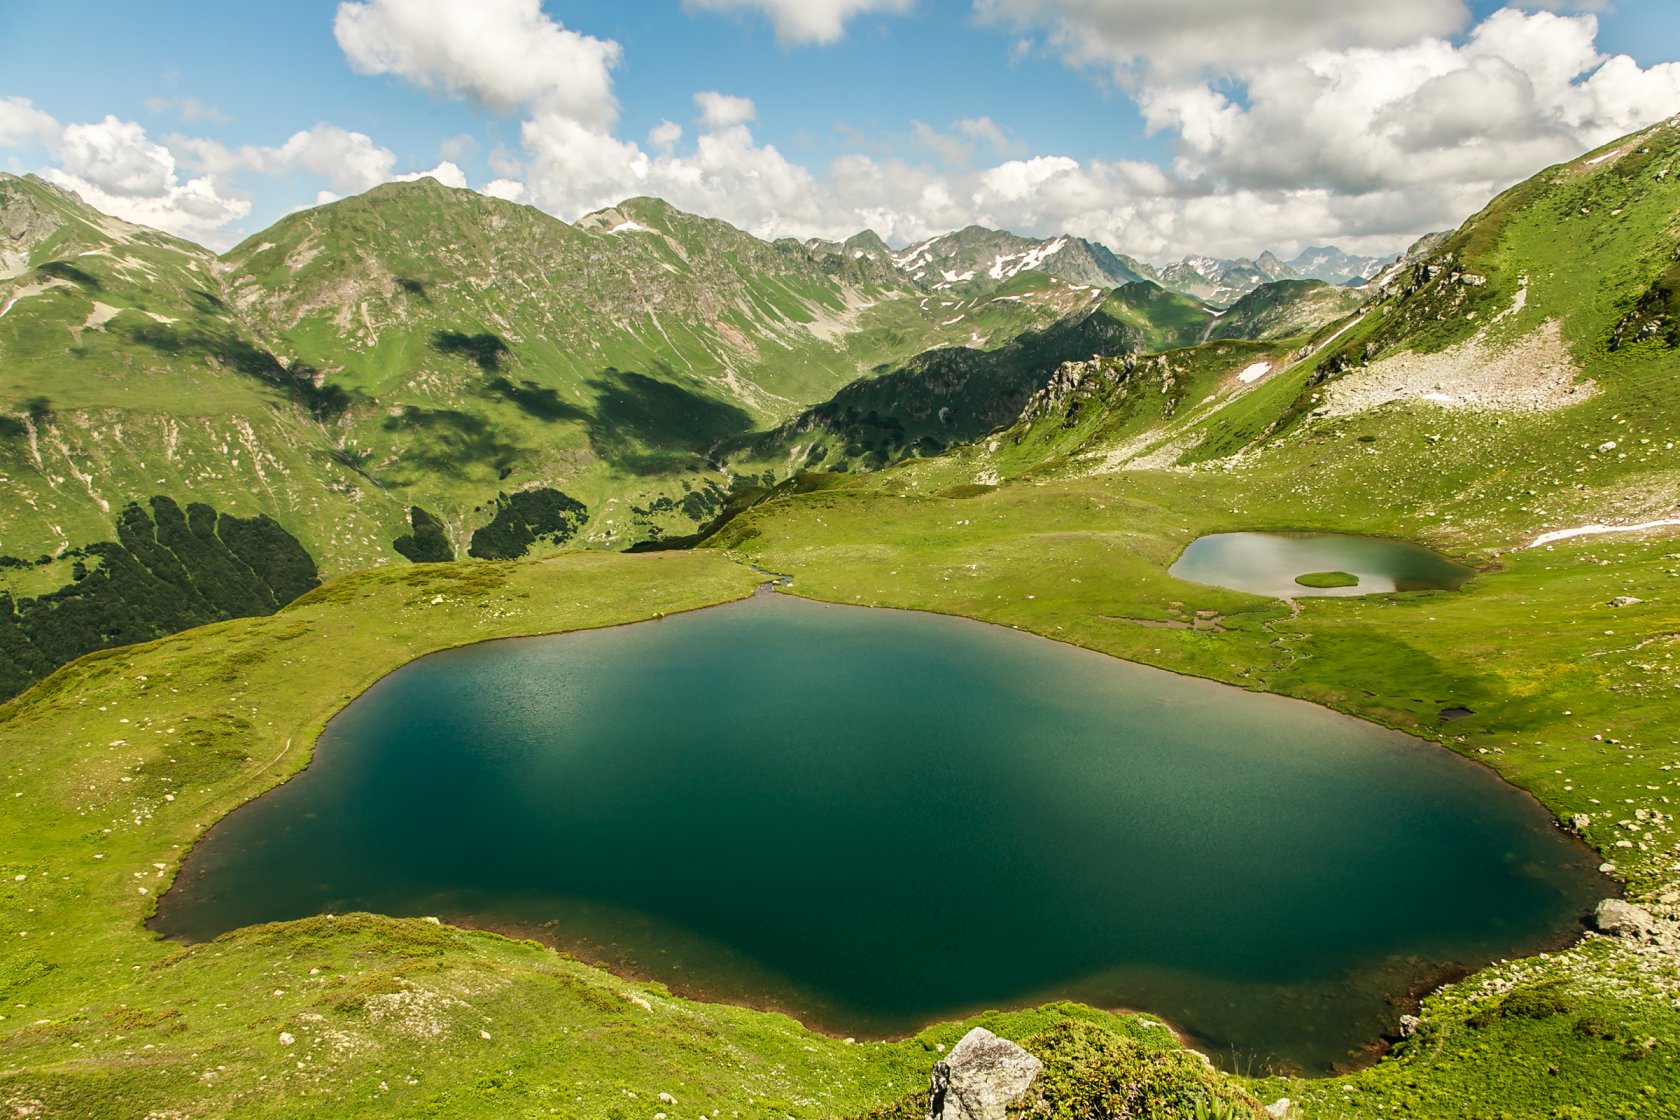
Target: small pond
[(1275, 563), (876, 819)]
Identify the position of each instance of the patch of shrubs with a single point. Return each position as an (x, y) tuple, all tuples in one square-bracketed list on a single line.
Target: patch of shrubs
[(524, 518), (169, 569), (427, 543), (1542, 1001)]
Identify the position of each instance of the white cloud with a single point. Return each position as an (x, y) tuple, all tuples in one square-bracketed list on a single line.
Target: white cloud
[(665, 135), (507, 189), (349, 161), (21, 124), (720, 110), (986, 131), (118, 169), (1168, 39), (803, 21), (189, 109), (1524, 91), (499, 53), (116, 157), (446, 173)]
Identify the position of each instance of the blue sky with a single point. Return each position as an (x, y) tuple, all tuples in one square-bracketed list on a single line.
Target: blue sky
[(1108, 126)]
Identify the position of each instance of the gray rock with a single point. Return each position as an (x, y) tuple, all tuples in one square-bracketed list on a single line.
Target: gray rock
[(980, 1078), (1623, 919), (1625, 601)]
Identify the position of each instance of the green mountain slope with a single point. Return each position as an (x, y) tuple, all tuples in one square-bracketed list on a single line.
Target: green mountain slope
[(951, 396), (1284, 308), (421, 347), (976, 260), (127, 374)]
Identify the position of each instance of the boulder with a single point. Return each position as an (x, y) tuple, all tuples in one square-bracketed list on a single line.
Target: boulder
[(980, 1078), (1623, 919)]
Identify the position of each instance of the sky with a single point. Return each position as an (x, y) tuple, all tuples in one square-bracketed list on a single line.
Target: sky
[(1161, 128)]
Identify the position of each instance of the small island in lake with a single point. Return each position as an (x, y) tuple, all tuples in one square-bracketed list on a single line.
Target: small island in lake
[(1327, 579)]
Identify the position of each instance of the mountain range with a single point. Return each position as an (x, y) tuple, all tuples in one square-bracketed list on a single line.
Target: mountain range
[(976, 260), (422, 373)]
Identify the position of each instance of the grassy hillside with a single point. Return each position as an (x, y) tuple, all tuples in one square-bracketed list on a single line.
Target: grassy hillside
[(949, 397), (421, 346), (1285, 308)]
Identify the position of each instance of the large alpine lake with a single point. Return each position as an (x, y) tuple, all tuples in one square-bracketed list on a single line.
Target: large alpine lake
[(875, 819)]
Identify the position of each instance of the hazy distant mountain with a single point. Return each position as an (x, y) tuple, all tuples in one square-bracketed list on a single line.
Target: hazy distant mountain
[(1331, 265), (977, 259)]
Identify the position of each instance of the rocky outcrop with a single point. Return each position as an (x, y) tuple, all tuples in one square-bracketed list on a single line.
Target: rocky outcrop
[(980, 1078), (1623, 919)]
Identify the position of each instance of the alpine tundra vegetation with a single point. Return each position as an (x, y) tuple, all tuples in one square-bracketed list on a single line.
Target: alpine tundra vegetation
[(1437, 491)]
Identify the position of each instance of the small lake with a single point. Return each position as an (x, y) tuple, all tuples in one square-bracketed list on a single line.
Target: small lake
[(1270, 563), (877, 819)]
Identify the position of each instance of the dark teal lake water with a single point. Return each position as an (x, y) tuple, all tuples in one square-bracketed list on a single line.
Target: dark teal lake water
[(876, 819), (1267, 564)]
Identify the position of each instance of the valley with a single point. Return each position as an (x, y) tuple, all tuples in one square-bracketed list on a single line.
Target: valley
[(1035, 452)]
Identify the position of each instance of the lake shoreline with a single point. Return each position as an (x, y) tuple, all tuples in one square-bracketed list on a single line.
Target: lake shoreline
[(750, 602)]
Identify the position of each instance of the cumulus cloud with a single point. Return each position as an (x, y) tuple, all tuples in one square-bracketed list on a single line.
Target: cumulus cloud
[(499, 53), (720, 110), (1525, 90), (1385, 130), (506, 189), (665, 135), (118, 169), (348, 161), (1142, 39), (803, 21), (446, 173), (21, 124)]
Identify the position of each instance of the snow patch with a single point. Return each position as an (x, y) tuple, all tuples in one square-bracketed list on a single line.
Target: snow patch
[(1254, 372), (917, 256), (1600, 159), (628, 226), (1591, 530), (1005, 266)]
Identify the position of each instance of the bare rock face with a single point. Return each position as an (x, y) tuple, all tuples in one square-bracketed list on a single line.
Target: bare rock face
[(1623, 919), (979, 1079)]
